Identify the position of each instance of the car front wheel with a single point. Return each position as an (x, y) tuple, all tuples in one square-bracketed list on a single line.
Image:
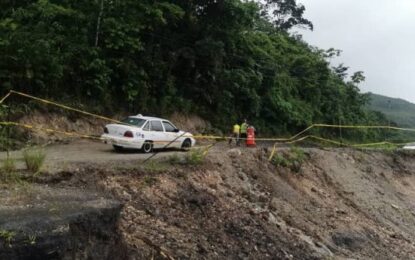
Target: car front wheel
[(186, 144)]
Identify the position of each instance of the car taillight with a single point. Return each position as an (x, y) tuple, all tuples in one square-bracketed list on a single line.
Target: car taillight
[(128, 134), (106, 130)]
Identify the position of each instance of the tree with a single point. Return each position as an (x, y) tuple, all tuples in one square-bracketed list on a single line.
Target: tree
[(358, 77), (287, 14), (221, 59)]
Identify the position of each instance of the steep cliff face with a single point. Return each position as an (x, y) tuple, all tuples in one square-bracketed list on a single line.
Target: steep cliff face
[(59, 224)]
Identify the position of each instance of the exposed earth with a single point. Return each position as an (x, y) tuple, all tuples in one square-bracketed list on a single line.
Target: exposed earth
[(329, 204)]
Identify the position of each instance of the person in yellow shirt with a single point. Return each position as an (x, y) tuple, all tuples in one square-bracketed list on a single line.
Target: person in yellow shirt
[(235, 134), (243, 129)]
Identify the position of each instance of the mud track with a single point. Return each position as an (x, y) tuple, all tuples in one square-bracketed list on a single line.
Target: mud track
[(59, 156)]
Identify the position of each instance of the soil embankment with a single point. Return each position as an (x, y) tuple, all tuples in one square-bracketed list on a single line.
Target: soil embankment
[(335, 203)]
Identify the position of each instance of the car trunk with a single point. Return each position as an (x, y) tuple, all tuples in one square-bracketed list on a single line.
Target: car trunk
[(117, 129)]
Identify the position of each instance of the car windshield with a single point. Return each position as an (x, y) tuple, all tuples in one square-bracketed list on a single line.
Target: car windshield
[(134, 121)]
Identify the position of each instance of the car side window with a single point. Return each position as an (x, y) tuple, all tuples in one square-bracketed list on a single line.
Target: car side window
[(168, 127), (146, 127), (156, 126)]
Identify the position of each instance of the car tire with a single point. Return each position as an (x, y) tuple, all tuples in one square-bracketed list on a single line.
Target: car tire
[(118, 148), (147, 147), (186, 144)]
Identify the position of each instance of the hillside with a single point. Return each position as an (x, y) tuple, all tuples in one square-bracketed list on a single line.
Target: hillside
[(396, 110), (221, 60)]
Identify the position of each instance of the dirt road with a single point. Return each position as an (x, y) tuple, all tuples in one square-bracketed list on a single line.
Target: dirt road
[(60, 155), (85, 151)]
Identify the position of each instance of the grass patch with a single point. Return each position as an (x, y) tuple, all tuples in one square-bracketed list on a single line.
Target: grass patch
[(175, 159), (280, 160), (155, 166), (293, 159), (7, 237), (34, 159), (31, 239), (195, 156), (9, 164), (8, 172), (10, 178)]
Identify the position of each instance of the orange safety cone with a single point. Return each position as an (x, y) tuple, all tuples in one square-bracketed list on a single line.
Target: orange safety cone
[(250, 137)]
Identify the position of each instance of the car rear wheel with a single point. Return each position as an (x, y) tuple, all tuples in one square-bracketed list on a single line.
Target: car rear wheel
[(186, 144), (147, 147), (117, 148)]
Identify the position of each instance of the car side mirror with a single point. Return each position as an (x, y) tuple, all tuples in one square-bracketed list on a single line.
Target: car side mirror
[(176, 130)]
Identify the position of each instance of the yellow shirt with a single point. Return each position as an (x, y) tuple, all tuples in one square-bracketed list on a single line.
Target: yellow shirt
[(236, 129), (244, 126)]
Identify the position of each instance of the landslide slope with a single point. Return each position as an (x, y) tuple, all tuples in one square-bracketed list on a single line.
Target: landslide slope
[(236, 205)]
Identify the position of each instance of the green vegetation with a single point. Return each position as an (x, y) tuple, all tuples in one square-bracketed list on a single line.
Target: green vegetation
[(31, 239), (155, 166), (10, 178), (34, 159), (7, 237), (293, 159), (4, 130), (195, 156), (8, 172), (175, 159), (224, 60), (9, 164), (398, 111)]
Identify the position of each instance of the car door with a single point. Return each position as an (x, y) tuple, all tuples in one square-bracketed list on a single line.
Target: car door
[(157, 134), (172, 134)]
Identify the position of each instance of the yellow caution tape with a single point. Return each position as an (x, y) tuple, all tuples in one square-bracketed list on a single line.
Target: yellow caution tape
[(64, 106), (291, 139), (274, 149), (335, 143), (343, 143), (49, 130), (208, 147), (5, 97), (365, 127)]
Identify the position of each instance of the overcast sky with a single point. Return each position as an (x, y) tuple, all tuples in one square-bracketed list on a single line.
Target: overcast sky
[(376, 36)]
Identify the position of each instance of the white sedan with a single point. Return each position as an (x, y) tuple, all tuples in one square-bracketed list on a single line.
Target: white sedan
[(146, 133), (410, 146)]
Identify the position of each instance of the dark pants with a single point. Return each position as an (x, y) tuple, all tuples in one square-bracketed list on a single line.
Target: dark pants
[(236, 137), (243, 137)]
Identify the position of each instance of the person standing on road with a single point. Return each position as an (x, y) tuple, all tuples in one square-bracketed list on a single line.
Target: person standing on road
[(244, 126), (235, 134)]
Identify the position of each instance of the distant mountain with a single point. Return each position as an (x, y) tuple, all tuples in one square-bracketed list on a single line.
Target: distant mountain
[(397, 110)]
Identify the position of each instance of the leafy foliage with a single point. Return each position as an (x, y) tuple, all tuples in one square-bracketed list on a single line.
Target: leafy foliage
[(288, 14), (224, 60)]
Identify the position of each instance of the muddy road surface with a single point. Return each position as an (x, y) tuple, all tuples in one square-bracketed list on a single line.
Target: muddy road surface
[(86, 151), (60, 156)]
